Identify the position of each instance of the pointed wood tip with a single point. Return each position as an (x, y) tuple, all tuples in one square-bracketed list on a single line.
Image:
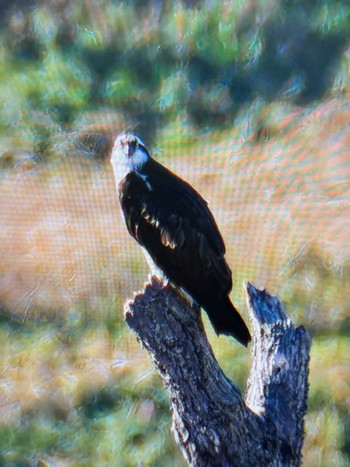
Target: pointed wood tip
[(264, 307)]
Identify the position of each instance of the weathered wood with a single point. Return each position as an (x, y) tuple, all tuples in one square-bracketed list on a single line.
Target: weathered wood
[(211, 422)]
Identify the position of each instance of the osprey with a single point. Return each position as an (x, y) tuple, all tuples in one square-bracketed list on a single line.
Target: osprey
[(177, 232)]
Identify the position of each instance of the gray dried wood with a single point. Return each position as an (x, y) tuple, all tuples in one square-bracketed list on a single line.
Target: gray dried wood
[(211, 422)]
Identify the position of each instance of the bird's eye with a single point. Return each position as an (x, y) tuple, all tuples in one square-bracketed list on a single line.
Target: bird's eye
[(133, 144)]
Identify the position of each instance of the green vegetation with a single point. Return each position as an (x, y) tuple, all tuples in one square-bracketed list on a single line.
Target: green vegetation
[(153, 61), (246, 100)]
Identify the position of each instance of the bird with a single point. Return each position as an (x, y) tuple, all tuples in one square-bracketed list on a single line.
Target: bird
[(177, 232)]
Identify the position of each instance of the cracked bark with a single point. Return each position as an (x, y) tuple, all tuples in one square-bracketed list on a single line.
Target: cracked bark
[(211, 422)]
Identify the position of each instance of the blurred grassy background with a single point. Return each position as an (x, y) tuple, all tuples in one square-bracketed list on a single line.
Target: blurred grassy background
[(247, 100)]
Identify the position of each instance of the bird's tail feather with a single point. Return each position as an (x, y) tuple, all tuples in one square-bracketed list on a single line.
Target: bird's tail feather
[(227, 320)]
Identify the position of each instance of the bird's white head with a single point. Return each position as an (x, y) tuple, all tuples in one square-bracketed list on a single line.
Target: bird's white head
[(129, 154)]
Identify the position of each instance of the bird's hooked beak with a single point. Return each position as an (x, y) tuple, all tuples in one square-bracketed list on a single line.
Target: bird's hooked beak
[(132, 145)]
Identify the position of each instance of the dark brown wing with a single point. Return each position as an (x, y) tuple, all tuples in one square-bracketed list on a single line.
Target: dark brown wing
[(173, 222)]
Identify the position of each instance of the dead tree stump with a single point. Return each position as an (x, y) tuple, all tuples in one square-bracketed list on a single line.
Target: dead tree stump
[(211, 422)]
